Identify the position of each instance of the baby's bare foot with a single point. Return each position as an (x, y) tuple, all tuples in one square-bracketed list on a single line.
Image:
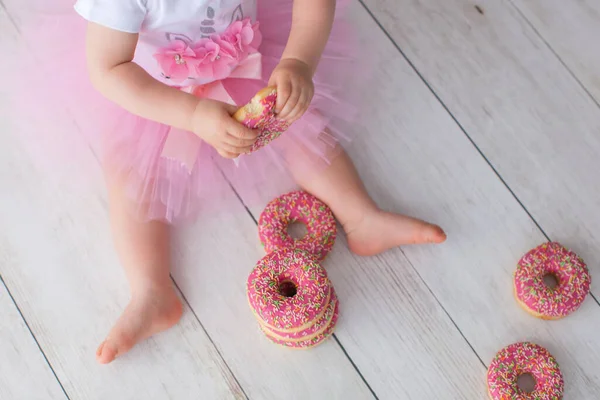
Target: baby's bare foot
[(145, 315), (380, 231)]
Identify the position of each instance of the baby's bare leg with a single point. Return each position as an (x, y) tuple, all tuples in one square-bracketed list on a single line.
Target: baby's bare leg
[(143, 249), (370, 230)]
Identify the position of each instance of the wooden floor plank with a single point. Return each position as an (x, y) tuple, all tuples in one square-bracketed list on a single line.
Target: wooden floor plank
[(213, 260), (518, 103), (212, 277), (571, 29), (420, 159), (391, 326), (59, 263), (24, 373), (414, 158)]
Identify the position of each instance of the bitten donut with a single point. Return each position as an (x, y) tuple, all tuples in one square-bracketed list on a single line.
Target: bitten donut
[(569, 270), (298, 207), (321, 325), (259, 114), (313, 342), (288, 290), (524, 358)]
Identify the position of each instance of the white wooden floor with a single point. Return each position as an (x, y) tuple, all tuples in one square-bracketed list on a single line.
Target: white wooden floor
[(486, 120)]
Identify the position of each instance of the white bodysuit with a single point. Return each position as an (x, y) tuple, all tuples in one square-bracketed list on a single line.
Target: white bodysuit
[(160, 22)]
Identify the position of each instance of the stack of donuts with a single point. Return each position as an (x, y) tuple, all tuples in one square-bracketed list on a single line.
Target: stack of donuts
[(288, 290)]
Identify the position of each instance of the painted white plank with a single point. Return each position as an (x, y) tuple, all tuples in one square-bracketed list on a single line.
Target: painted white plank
[(24, 373), (58, 260), (214, 258), (391, 326), (416, 156), (572, 29), (213, 279), (519, 104)]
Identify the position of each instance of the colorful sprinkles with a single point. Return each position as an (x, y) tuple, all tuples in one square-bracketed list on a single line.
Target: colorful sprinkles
[(322, 323), (298, 207), (568, 268), (312, 342), (524, 358), (288, 290), (288, 314), (301, 318), (269, 126)]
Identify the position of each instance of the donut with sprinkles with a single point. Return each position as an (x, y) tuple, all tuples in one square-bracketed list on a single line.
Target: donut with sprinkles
[(320, 326), (524, 358), (312, 342), (259, 114), (288, 290), (570, 272), (298, 207)]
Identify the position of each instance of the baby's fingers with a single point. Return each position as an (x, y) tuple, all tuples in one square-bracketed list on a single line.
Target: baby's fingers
[(291, 105), (300, 108), (241, 132), (284, 91), (234, 149), (239, 143), (227, 154)]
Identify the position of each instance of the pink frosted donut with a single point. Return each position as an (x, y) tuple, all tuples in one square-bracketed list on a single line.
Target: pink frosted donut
[(316, 340), (259, 114), (298, 207), (570, 272), (519, 359), (288, 290), (320, 325)]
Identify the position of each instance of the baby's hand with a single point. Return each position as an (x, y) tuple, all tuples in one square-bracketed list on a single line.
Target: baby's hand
[(213, 123), (295, 88)]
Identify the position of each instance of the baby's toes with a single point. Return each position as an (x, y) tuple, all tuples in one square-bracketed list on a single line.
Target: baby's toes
[(435, 234), (106, 352)]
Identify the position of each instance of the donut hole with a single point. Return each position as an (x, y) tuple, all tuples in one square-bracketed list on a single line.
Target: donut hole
[(287, 289), (526, 383), (297, 230), (551, 280)]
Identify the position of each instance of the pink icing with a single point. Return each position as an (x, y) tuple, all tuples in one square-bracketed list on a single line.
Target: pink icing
[(298, 207), (269, 126), (572, 275), (283, 313), (319, 326), (524, 358), (305, 344)]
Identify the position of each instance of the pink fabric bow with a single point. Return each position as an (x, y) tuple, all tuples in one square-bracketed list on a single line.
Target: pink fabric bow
[(234, 54), (185, 146)]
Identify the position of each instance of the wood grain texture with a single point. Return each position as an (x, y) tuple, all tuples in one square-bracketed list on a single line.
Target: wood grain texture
[(500, 81), (572, 30), (211, 275), (58, 260), (390, 324), (213, 260), (24, 373), (518, 103), (421, 160)]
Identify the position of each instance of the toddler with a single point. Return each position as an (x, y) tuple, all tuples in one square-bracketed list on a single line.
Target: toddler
[(174, 72)]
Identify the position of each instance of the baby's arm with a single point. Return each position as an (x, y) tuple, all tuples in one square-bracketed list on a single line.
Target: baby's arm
[(311, 26), (115, 75)]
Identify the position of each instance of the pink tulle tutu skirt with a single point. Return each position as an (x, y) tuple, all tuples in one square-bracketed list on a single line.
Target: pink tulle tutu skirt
[(54, 90)]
